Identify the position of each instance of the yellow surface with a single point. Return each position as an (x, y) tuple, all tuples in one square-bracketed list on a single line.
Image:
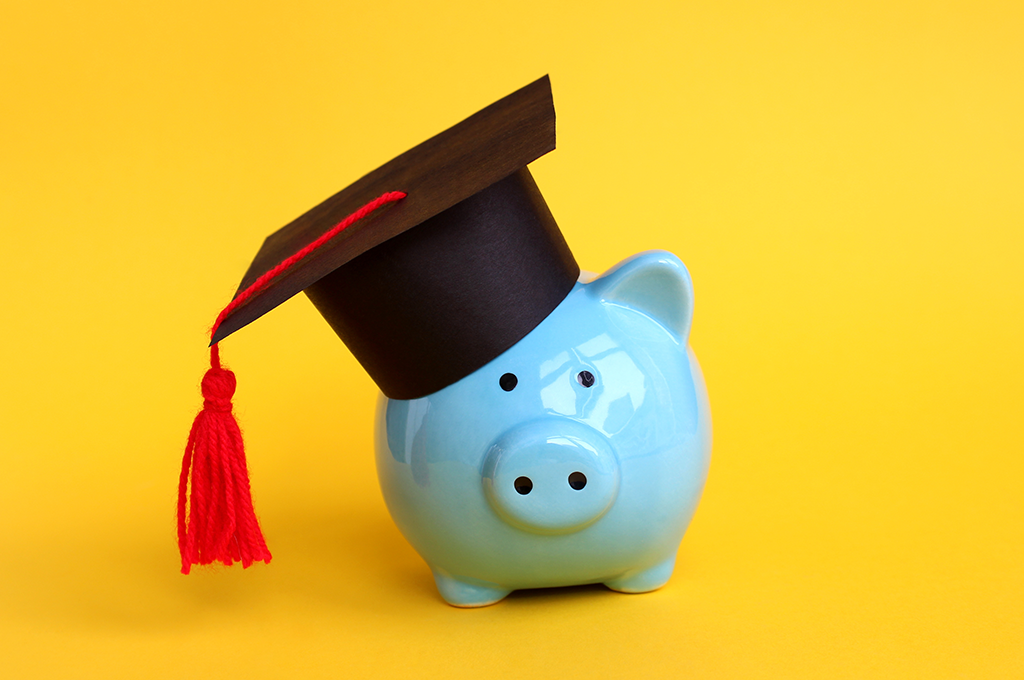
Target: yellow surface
[(844, 181)]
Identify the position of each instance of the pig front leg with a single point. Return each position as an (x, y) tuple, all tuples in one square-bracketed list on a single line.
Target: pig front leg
[(644, 580), (463, 593)]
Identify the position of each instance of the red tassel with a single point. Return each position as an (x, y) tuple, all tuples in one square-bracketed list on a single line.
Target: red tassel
[(216, 522)]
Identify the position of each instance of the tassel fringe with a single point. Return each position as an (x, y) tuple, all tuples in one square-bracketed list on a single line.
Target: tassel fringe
[(216, 519)]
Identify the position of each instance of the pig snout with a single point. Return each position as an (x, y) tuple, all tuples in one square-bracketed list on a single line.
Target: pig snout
[(551, 476)]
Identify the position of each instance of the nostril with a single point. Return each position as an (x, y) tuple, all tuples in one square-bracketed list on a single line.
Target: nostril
[(586, 378), (524, 485), (577, 480)]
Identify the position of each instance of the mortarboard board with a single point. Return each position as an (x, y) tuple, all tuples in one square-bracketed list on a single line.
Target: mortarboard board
[(427, 268)]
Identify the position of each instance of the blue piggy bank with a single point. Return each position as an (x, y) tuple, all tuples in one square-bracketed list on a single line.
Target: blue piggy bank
[(577, 456)]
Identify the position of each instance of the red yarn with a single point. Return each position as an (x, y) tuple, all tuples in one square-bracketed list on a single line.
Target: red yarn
[(287, 263), (216, 520)]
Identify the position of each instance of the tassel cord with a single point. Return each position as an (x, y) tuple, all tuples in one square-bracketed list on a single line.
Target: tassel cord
[(216, 519)]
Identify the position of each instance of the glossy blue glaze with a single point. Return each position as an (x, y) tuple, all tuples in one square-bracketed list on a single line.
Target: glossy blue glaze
[(613, 471)]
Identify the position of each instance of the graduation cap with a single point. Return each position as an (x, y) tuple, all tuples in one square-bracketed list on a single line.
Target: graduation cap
[(427, 268)]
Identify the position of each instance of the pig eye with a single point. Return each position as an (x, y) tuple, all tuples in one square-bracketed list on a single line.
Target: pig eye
[(508, 382), (586, 378)]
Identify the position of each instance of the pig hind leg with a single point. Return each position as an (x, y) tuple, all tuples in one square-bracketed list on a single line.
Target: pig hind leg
[(645, 580), (462, 593)]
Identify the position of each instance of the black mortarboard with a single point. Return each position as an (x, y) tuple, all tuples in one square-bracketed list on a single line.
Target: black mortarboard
[(427, 290), (428, 268)]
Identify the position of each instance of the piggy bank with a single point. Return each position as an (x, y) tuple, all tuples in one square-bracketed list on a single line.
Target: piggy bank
[(539, 428), (577, 456)]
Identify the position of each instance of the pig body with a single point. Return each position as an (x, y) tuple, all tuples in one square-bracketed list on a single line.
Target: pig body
[(577, 456)]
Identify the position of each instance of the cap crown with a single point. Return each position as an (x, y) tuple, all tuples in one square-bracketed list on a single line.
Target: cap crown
[(429, 289)]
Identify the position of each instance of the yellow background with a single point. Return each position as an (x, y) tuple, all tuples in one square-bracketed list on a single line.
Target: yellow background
[(845, 182)]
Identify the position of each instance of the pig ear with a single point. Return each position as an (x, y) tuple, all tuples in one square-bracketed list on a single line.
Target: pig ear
[(655, 283)]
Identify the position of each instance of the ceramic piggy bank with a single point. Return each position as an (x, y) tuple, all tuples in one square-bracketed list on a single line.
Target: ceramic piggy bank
[(538, 427), (577, 456)]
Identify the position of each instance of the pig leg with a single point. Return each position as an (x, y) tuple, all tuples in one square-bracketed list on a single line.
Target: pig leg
[(461, 593), (645, 580)]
